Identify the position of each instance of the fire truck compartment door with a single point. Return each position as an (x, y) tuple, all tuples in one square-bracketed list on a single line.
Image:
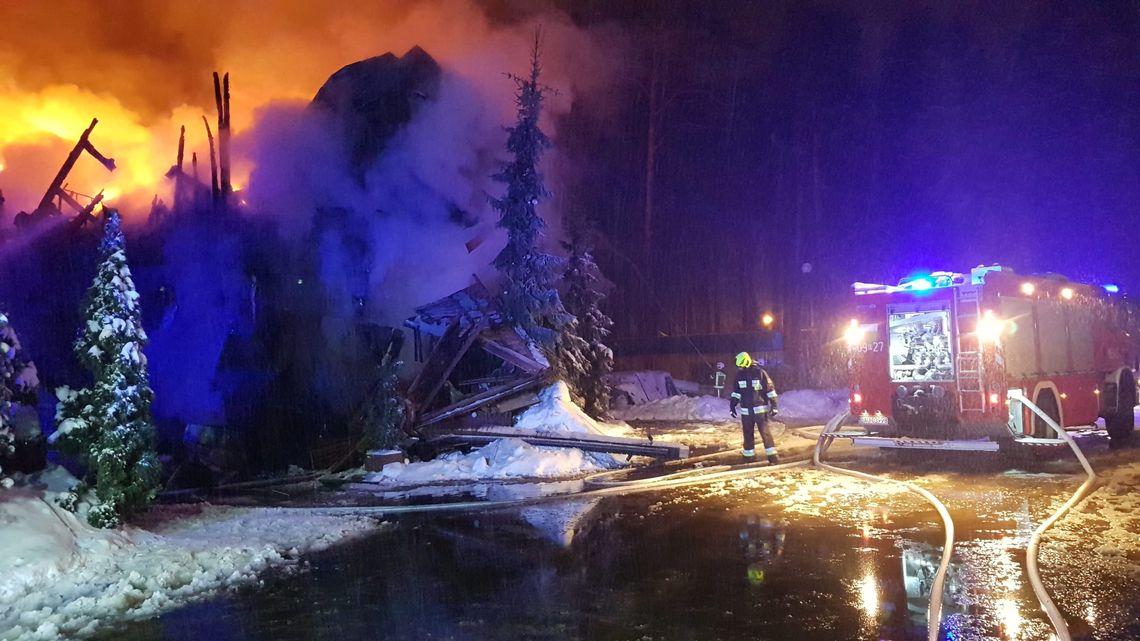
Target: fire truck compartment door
[(1016, 412), (1020, 341)]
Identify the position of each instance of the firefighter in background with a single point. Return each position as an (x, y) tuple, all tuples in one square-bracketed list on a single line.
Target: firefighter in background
[(754, 392)]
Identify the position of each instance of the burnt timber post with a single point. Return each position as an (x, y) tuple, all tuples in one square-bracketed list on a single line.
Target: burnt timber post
[(56, 188)]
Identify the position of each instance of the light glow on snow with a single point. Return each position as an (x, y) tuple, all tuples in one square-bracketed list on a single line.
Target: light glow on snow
[(61, 578)]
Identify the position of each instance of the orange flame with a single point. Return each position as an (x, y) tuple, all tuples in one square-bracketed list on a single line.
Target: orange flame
[(149, 73)]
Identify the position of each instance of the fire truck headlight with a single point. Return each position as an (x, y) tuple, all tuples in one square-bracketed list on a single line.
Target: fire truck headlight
[(854, 334), (990, 327), (1067, 293), (1028, 288)]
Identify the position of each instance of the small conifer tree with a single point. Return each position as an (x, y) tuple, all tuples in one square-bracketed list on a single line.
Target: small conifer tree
[(593, 359), (7, 439), (108, 425), (383, 416)]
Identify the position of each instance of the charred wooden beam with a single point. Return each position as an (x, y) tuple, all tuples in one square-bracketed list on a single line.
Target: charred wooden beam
[(451, 347), (181, 147), (227, 185), (222, 104), (483, 399), (176, 170), (85, 213), (55, 189), (214, 191), (578, 440)]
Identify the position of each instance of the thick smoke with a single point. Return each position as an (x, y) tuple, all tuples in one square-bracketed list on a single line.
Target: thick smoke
[(356, 250), (148, 72)]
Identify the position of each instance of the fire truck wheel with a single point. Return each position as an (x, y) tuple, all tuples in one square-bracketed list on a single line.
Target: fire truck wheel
[(1122, 424), (1048, 404)]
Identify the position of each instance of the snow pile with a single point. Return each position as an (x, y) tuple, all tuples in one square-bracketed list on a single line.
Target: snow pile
[(812, 404), (795, 405), (502, 459), (556, 412), (61, 578), (677, 408)]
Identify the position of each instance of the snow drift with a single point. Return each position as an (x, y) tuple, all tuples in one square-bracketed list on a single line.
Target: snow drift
[(795, 405), (502, 459), (61, 578)]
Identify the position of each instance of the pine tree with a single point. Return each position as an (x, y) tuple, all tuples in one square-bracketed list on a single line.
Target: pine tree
[(591, 327), (382, 417), (19, 383), (108, 425), (7, 372), (529, 275)]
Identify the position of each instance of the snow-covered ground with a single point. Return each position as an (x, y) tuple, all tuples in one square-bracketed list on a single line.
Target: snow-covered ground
[(502, 459), (799, 406), (702, 422), (61, 578), (512, 458), (1107, 522)]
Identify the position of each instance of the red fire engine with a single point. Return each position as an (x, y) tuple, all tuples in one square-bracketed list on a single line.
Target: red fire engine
[(936, 360)]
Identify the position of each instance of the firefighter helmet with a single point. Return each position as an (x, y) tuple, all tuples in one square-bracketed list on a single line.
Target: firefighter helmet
[(743, 360)]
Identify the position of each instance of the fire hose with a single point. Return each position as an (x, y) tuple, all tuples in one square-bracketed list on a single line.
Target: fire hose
[(604, 487), (1032, 569), (684, 478), (1031, 552), (934, 613)]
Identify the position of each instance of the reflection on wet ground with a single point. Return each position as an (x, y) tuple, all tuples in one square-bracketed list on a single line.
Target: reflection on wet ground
[(799, 555)]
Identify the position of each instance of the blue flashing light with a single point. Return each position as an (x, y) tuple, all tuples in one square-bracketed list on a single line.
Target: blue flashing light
[(1111, 289), (921, 284)]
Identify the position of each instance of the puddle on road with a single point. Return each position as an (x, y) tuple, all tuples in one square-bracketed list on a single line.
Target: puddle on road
[(804, 555)]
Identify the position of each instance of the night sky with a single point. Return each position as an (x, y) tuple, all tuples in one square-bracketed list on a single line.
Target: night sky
[(869, 139)]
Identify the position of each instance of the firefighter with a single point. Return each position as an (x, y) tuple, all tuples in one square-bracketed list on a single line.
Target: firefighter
[(754, 392)]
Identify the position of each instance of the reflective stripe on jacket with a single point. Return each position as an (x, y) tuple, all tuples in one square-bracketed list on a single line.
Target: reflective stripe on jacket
[(752, 390)]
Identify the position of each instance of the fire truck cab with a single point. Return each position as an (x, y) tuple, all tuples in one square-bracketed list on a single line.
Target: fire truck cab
[(944, 357)]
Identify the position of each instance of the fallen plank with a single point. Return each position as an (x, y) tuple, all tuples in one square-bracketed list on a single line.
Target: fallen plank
[(580, 440), (482, 399), (451, 347)]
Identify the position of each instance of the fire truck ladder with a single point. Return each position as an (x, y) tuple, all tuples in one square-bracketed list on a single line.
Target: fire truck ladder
[(971, 395), (971, 390)]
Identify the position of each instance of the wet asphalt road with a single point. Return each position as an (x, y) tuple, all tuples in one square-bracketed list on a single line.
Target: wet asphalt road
[(798, 555)]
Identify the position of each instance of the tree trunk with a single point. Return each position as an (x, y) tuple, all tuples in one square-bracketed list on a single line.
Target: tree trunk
[(650, 161)]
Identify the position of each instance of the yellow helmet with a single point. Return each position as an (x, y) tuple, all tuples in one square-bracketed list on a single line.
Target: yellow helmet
[(743, 360)]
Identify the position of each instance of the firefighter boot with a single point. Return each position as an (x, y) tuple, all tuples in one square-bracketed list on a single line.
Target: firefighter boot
[(773, 459)]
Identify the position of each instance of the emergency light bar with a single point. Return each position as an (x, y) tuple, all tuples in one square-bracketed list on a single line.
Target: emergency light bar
[(923, 283)]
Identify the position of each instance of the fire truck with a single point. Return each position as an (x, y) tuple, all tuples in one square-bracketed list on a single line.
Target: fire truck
[(941, 360)]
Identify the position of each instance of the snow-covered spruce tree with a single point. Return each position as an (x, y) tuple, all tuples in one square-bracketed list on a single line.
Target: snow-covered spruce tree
[(528, 274), (108, 425), (7, 372), (591, 327)]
